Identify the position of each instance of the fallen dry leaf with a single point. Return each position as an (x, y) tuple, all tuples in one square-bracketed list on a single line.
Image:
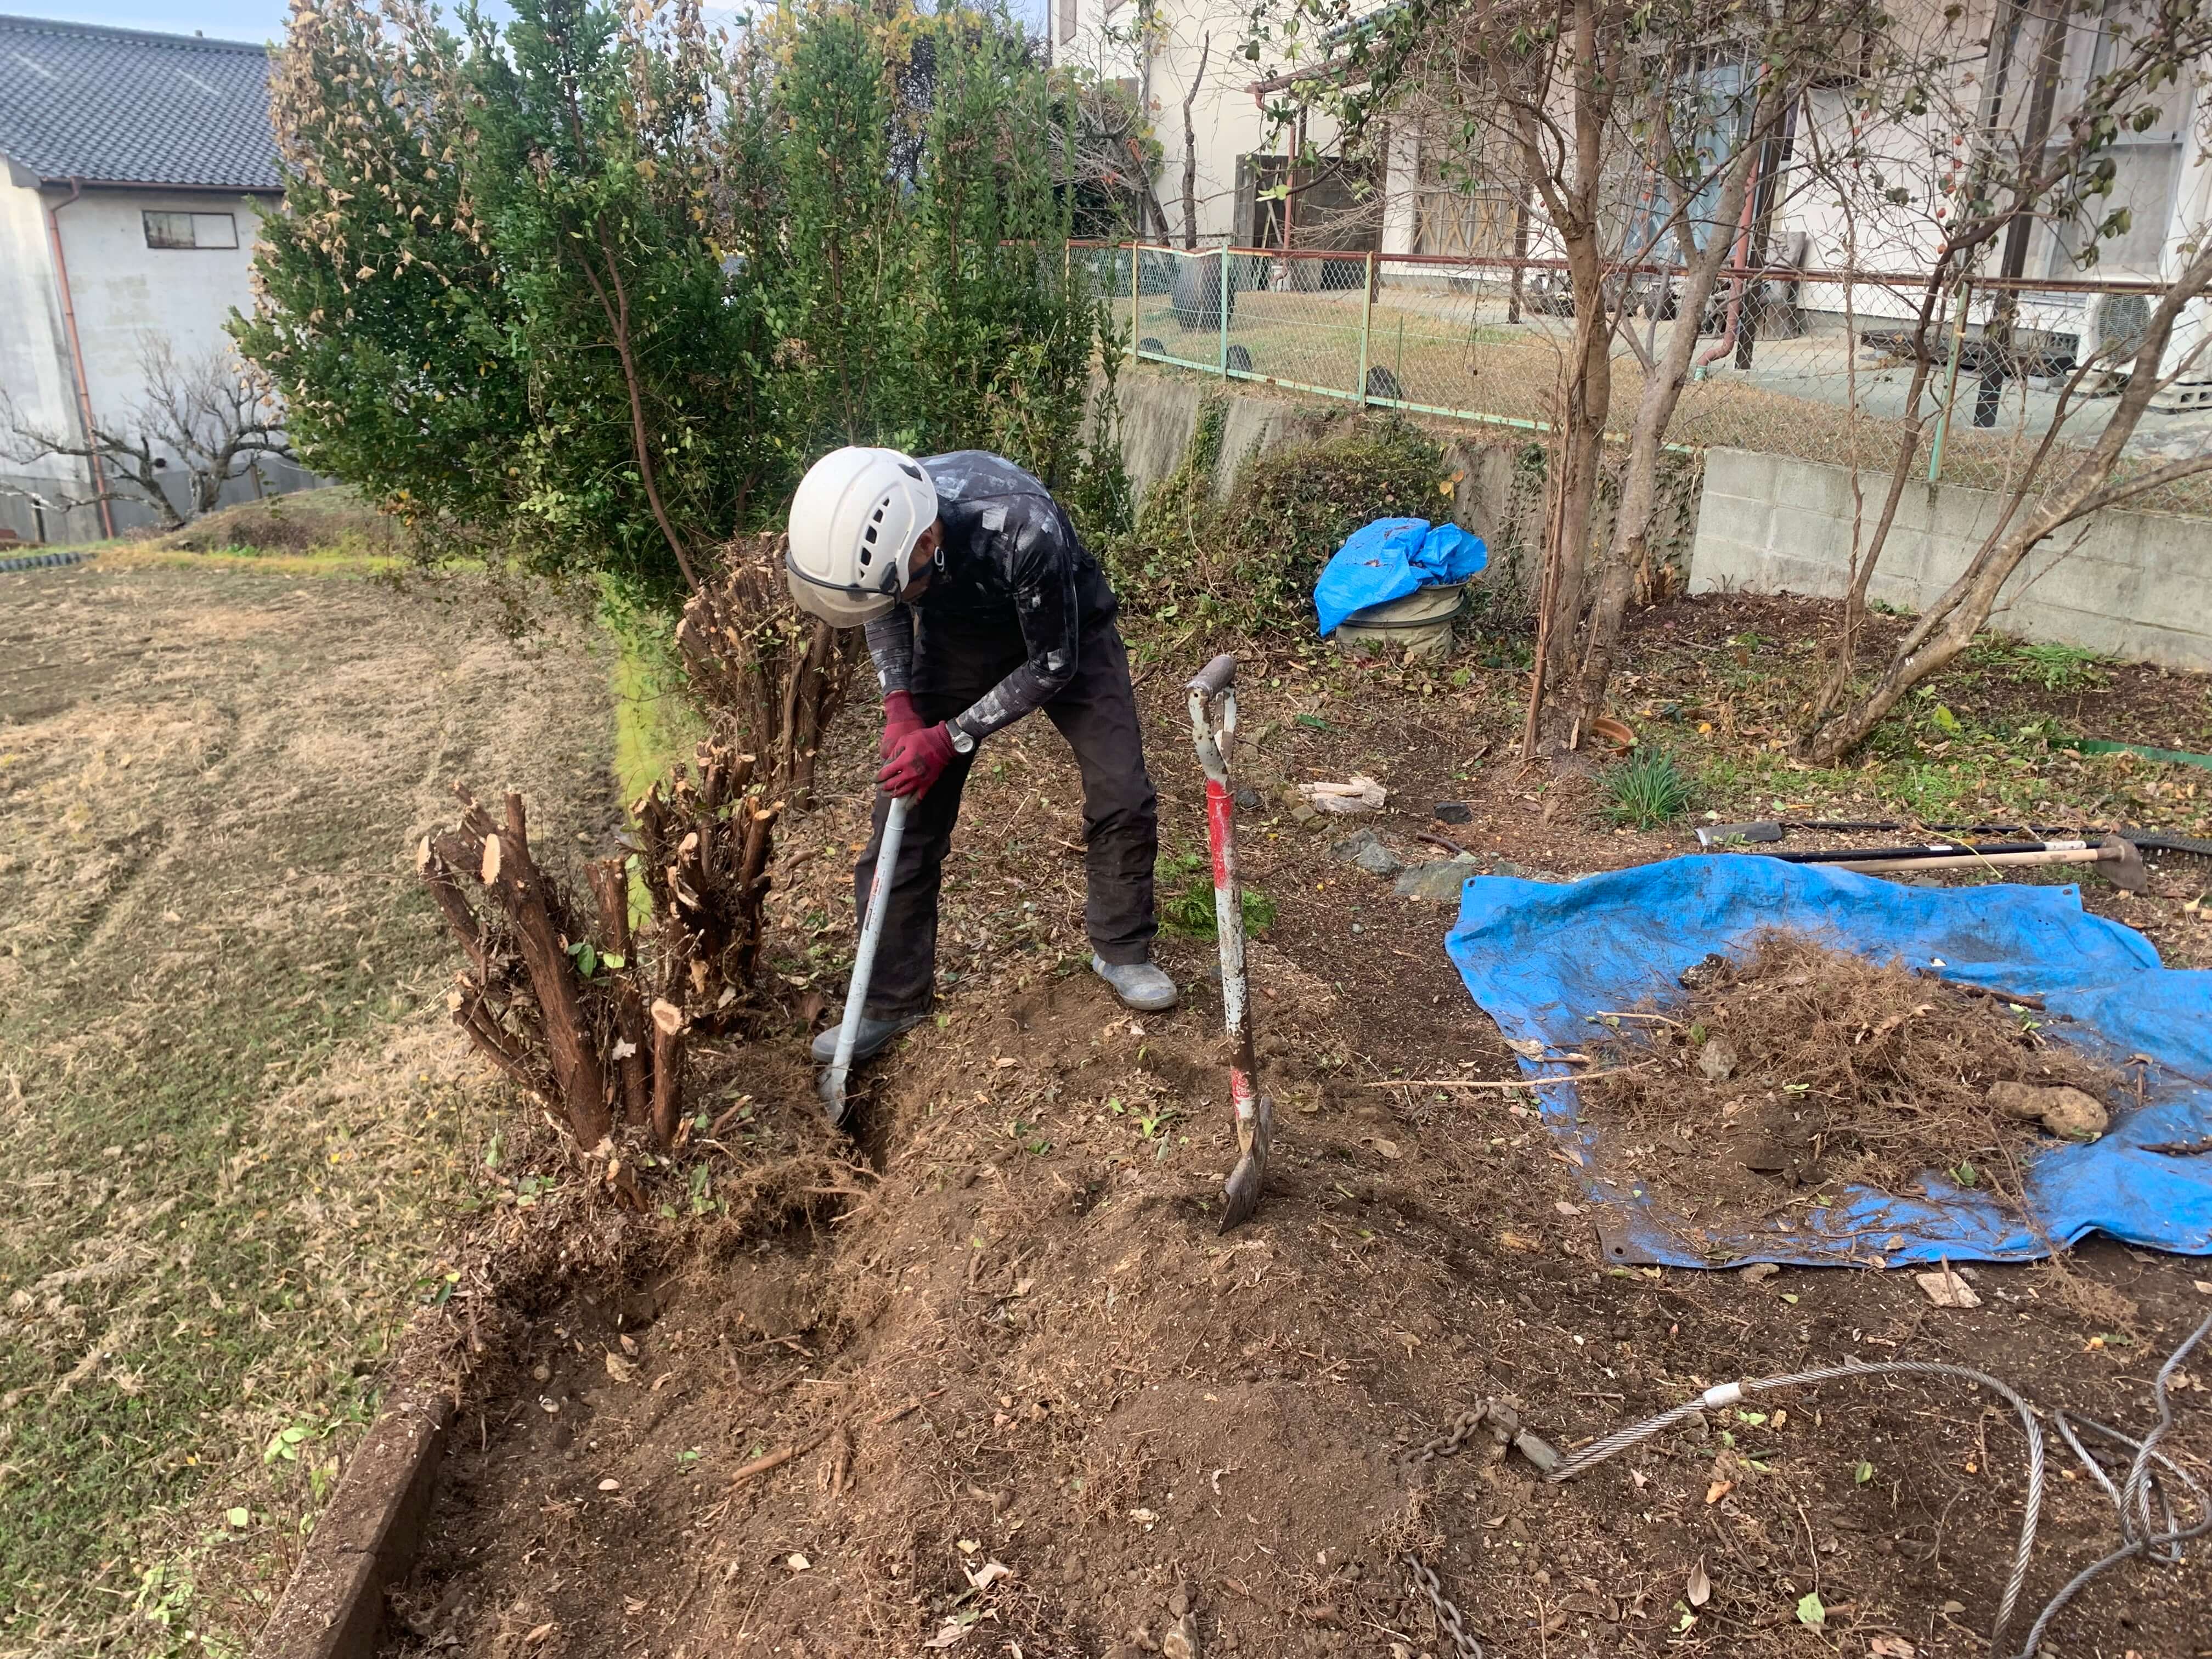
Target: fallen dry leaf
[(798, 1564), (1522, 1241), (1757, 1271), (954, 1631), (1699, 1591), (988, 1574), (1889, 1647), (1386, 1148), (623, 1371), (610, 1485), (1719, 1490), (538, 1635)]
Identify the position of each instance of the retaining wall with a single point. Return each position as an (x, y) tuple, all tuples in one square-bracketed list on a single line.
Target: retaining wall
[(2138, 586), (1159, 416)]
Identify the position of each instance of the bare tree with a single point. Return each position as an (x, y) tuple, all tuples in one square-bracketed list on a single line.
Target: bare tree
[(205, 415), (1190, 145), (1114, 155), (1637, 130), (2033, 155)]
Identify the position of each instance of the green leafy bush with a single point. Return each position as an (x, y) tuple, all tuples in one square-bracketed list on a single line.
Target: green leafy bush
[(596, 285)]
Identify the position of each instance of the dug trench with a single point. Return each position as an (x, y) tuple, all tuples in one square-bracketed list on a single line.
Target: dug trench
[(1013, 1394)]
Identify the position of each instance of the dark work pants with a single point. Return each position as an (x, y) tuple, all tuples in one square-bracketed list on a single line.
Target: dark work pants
[(1097, 713)]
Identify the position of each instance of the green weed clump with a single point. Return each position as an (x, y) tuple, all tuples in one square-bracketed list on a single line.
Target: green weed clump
[(1250, 562), (2060, 667), (1647, 791), (1186, 905)]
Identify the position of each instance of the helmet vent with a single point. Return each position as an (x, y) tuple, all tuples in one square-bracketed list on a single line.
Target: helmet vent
[(909, 469)]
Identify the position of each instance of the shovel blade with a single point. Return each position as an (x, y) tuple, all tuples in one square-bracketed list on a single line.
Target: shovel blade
[(1240, 1193), (832, 1088)]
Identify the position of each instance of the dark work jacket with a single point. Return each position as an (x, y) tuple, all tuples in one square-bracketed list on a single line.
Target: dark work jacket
[(1016, 580)]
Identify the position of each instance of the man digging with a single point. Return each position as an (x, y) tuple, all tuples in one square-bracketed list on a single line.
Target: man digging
[(981, 606)]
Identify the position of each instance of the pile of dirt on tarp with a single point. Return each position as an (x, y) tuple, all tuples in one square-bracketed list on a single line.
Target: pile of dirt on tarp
[(1804, 1066)]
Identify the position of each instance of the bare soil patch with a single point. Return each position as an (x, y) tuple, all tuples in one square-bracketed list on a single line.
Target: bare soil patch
[(1025, 1348)]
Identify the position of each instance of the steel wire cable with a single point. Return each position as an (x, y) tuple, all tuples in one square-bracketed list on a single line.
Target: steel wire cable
[(2131, 1499)]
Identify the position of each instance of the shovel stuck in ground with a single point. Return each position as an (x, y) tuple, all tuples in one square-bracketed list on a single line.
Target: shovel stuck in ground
[(1214, 727), (864, 963)]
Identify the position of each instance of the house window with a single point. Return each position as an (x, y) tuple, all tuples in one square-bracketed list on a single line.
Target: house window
[(1066, 20), (191, 230)]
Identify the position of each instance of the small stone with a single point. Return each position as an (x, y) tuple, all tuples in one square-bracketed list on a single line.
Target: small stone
[(1248, 799), (2066, 1112), (1454, 811), (1717, 1059), (1305, 814), (1180, 1641), (1071, 1570), (1179, 1603), (1436, 883), (1364, 848)]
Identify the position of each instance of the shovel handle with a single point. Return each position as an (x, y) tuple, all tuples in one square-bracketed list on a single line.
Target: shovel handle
[(871, 934), (1215, 677)]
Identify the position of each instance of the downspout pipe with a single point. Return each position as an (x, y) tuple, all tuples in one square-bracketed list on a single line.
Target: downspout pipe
[(76, 357)]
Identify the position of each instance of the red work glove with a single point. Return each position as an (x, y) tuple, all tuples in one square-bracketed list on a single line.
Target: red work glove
[(918, 761), (899, 720)]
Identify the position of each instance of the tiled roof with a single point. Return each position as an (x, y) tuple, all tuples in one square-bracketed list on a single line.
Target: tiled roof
[(119, 107)]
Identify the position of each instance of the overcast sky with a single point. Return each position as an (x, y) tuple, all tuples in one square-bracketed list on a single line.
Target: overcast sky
[(235, 20)]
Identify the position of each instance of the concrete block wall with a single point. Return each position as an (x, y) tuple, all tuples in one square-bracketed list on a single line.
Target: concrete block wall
[(2136, 586)]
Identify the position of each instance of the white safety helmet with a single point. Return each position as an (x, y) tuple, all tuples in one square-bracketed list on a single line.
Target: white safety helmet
[(854, 523)]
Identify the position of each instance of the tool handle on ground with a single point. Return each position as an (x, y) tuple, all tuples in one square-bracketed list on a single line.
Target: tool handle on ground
[(1215, 677), (872, 933), (1855, 855), (1970, 861)]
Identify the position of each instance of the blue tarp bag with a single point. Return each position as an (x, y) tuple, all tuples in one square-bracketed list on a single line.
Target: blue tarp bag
[(1539, 958), (1389, 559)]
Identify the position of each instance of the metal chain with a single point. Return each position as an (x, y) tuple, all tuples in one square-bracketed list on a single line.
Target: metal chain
[(1502, 1423), (1463, 1426), (1448, 1616)]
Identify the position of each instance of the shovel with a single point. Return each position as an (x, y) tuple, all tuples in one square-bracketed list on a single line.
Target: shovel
[(1214, 728), (864, 963)]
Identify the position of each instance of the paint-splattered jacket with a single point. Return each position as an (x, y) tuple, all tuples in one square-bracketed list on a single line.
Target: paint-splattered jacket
[(1013, 566)]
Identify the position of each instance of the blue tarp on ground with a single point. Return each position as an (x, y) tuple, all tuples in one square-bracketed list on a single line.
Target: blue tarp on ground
[(1540, 958), (1390, 558)]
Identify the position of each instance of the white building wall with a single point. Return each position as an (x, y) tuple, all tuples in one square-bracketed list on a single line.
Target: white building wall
[(128, 293), (34, 369)]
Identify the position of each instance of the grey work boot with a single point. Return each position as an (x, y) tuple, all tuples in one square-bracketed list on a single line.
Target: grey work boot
[(874, 1034), (1139, 984)]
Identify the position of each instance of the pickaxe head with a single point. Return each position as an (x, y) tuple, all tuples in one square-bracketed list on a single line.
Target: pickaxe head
[(2121, 860)]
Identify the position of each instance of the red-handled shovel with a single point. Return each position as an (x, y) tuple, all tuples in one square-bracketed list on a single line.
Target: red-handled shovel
[(1214, 727)]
